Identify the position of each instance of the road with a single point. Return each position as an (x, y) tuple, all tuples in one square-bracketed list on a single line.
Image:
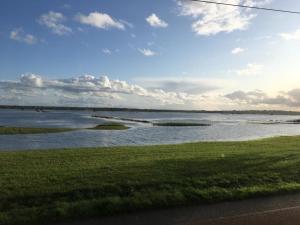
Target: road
[(281, 210)]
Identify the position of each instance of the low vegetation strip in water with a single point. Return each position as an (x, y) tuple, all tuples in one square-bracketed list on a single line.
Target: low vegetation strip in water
[(110, 126), (181, 124), (123, 119), (30, 130), (297, 121), (55, 185), (35, 130), (166, 124)]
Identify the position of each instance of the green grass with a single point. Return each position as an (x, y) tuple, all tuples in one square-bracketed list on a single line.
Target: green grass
[(54, 185), (181, 124), (110, 126), (35, 130), (30, 130)]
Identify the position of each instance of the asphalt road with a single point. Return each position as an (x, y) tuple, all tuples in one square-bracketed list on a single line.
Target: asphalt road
[(286, 216), (281, 210)]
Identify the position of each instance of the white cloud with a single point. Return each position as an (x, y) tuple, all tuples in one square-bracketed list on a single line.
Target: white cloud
[(18, 34), (247, 97), (189, 85), (189, 93), (155, 21), (54, 20), (31, 80), (237, 51), (257, 97), (106, 51), (251, 69), (211, 19), (147, 52), (100, 20), (291, 36), (93, 89)]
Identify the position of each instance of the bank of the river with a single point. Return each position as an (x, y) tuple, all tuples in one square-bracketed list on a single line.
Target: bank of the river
[(67, 184)]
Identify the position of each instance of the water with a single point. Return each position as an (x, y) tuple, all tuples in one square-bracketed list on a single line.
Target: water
[(224, 128)]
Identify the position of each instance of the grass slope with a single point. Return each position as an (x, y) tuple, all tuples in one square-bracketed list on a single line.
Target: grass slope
[(30, 130), (68, 184)]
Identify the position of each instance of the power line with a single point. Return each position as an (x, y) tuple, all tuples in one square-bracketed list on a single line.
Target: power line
[(248, 7)]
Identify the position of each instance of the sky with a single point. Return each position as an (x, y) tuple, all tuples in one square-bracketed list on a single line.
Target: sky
[(163, 54)]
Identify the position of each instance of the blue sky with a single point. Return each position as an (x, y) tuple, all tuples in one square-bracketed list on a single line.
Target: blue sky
[(153, 54)]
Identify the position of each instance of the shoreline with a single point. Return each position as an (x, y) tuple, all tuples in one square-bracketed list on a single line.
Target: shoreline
[(145, 145)]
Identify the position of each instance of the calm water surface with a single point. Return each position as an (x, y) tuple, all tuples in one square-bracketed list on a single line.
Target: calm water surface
[(223, 128)]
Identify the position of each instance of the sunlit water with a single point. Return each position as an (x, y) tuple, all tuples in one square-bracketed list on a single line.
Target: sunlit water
[(224, 127)]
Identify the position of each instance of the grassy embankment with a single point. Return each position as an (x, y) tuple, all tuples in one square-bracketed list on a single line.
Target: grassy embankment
[(77, 183)]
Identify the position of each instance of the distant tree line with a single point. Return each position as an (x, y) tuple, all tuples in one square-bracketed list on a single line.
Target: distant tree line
[(43, 108)]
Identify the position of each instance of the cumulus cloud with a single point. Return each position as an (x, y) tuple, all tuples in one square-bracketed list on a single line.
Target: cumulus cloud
[(54, 21), (251, 69), (155, 21), (92, 89), (31, 80), (88, 90), (19, 34), (237, 51), (211, 19), (291, 36), (147, 52), (100, 20), (250, 97), (257, 97)]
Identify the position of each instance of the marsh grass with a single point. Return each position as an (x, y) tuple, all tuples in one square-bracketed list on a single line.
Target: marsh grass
[(55, 185), (181, 124), (30, 130), (297, 121), (110, 126), (35, 130)]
